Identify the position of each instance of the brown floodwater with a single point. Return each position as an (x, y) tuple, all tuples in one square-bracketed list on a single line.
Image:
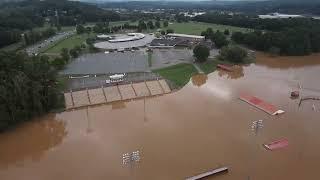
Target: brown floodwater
[(200, 127)]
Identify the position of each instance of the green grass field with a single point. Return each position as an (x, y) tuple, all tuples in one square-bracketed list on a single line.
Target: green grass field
[(196, 28), (208, 66), (179, 74), (69, 43)]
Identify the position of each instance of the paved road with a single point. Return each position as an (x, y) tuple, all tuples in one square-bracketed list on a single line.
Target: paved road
[(36, 48)]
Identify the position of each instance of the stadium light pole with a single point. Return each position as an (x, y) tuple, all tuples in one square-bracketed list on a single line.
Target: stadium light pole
[(131, 159), (256, 126)]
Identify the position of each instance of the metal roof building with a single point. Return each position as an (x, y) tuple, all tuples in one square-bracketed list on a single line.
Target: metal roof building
[(186, 36)]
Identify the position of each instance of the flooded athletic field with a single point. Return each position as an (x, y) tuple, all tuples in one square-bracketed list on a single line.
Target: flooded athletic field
[(201, 127)]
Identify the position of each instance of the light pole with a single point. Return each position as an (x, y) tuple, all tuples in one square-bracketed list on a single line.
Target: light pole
[(255, 128), (131, 158)]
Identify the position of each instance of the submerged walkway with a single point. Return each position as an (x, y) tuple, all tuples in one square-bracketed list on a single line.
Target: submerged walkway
[(198, 68), (110, 94)]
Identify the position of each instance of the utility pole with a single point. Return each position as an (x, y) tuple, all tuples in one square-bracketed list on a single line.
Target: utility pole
[(57, 20)]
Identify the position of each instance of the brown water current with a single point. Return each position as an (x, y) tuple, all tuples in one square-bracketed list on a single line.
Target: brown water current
[(198, 128)]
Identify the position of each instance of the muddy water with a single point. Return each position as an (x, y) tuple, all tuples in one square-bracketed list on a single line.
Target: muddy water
[(200, 127)]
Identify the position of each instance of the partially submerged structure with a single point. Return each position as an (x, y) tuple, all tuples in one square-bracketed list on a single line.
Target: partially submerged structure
[(282, 143), (261, 104), (209, 173)]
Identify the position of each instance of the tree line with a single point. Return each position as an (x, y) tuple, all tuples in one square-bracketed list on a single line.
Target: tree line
[(296, 36), (293, 41), (140, 26), (31, 37), (18, 17), (253, 22), (28, 87)]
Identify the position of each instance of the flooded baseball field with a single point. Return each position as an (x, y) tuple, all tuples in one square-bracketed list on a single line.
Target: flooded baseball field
[(198, 128)]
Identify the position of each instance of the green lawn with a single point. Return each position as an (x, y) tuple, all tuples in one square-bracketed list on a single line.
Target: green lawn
[(69, 43), (179, 74), (208, 66), (196, 28)]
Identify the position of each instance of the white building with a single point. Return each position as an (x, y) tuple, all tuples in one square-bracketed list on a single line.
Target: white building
[(186, 36), (279, 16)]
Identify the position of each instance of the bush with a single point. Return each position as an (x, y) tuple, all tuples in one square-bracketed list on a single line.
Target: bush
[(74, 53), (227, 32), (58, 63), (80, 29), (234, 54), (90, 40), (65, 54), (83, 46), (93, 49), (238, 37), (170, 31), (219, 39), (157, 24), (165, 24), (201, 53)]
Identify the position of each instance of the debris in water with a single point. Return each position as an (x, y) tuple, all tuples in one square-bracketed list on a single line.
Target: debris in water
[(295, 94), (277, 144), (260, 104), (308, 98), (209, 173)]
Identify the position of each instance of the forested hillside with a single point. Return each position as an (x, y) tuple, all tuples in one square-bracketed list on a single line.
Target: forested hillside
[(17, 17)]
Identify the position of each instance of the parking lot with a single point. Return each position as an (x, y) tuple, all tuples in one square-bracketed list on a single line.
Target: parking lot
[(128, 61), (168, 57), (101, 63)]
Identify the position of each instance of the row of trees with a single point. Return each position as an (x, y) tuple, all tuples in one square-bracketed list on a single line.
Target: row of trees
[(217, 37), (230, 53), (28, 87), (8, 37), (253, 22), (296, 36), (297, 41), (142, 25), (31, 37), (18, 17)]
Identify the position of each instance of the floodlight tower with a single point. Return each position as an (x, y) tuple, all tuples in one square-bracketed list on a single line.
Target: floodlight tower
[(131, 158), (255, 128)]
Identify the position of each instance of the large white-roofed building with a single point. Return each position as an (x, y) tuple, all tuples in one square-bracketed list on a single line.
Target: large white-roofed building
[(194, 37), (125, 41)]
